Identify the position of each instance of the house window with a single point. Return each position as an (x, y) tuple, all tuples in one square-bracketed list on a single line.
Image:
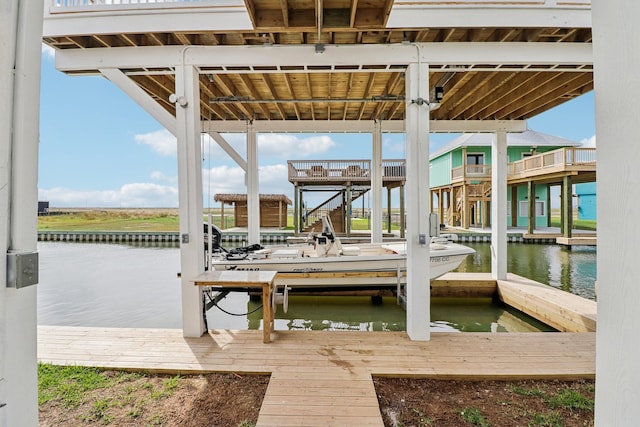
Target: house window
[(475, 158), (523, 208), (475, 164)]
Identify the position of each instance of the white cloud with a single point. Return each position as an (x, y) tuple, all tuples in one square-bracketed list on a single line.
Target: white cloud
[(222, 179), (129, 195), (159, 176), (269, 144), (395, 146), (48, 51), (161, 141), (231, 180), (274, 180), (589, 142), (287, 145)]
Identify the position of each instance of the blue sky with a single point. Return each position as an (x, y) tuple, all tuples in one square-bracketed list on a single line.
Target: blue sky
[(100, 149)]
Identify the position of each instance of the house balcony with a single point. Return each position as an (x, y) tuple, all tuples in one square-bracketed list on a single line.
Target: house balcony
[(471, 173), (344, 172), (550, 165), (564, 161)]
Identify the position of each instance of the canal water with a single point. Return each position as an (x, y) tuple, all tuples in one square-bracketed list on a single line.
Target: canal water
[(111, 285)]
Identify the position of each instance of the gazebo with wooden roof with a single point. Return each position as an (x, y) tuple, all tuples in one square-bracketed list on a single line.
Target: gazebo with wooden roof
[(273, 209)]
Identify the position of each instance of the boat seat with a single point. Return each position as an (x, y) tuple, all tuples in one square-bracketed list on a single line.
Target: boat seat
[(350, 250), (287, 253)]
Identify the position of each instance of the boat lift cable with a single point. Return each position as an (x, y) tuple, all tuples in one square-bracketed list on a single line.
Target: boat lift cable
[(215, 299), (238, 314)]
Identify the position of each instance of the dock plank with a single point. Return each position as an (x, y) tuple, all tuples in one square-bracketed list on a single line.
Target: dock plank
[(561, 310)]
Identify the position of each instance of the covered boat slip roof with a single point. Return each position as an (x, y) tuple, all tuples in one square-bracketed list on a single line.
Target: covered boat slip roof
[(278, 60)]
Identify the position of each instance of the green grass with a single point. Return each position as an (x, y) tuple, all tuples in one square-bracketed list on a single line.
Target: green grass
[(69, 384), (552, 419), (578, 224), (474, 417), (71, 387), (522, 391), (571, 399), (109, 221)]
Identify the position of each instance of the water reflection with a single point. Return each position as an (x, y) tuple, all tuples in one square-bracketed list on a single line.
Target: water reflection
[(111, 285), (570, 270)]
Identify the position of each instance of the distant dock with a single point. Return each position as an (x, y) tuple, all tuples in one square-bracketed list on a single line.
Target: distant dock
[(238, 237)]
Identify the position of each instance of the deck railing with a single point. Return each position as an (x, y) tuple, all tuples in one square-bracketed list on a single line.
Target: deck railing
[(72, 6), (436, 3), (91, 3), (343, 170), (557, 158), (472, 171)]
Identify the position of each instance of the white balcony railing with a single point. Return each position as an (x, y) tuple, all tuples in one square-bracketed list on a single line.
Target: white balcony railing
[(74, 6)]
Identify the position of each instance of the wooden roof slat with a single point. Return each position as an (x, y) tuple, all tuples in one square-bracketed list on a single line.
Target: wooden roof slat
[(469, 94), (225, 198)]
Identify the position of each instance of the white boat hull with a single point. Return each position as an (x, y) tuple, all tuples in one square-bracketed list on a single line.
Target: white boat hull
[(376, 265)]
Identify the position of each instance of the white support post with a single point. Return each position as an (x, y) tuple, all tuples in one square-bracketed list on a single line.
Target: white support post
[(417, 124), (253, 187), (498, 206), (190, 197), (617, 108), (376, 184), (20, 53)]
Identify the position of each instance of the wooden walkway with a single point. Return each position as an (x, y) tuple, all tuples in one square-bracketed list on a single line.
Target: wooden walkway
[(324, 378)]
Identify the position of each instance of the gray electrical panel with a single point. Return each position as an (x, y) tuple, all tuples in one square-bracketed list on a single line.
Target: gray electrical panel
[(22, 269)]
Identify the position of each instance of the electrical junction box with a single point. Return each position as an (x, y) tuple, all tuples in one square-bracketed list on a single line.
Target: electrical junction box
[(22, 269)]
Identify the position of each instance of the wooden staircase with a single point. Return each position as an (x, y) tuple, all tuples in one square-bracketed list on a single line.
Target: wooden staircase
[(475, 193), (335, 209)]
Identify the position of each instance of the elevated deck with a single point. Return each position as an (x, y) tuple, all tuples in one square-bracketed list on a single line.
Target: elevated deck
[(343, 172)]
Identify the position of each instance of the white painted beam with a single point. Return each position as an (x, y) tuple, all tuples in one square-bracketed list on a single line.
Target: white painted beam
[(229, 149), (411, 14), (142, 98), (147, 17), (417, 184), (232, 15), (456, 54), (498, 205), (190, 198), (617, 108), (357, 126)]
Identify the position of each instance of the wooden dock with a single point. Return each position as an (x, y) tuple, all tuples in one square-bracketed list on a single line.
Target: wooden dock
[(324, 378), (321, 378), (577, 240), (561, 310)]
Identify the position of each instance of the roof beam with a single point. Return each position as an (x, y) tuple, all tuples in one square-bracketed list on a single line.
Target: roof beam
[(355, 126), (354, 55)]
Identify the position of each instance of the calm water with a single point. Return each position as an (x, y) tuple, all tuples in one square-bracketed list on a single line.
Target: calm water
[(106, 285)]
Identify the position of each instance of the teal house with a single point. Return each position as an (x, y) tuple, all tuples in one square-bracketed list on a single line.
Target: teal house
[(586, 194), (460, 178)]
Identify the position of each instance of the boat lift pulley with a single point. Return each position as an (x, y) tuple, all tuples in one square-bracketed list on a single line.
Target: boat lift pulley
[(280, 298)]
